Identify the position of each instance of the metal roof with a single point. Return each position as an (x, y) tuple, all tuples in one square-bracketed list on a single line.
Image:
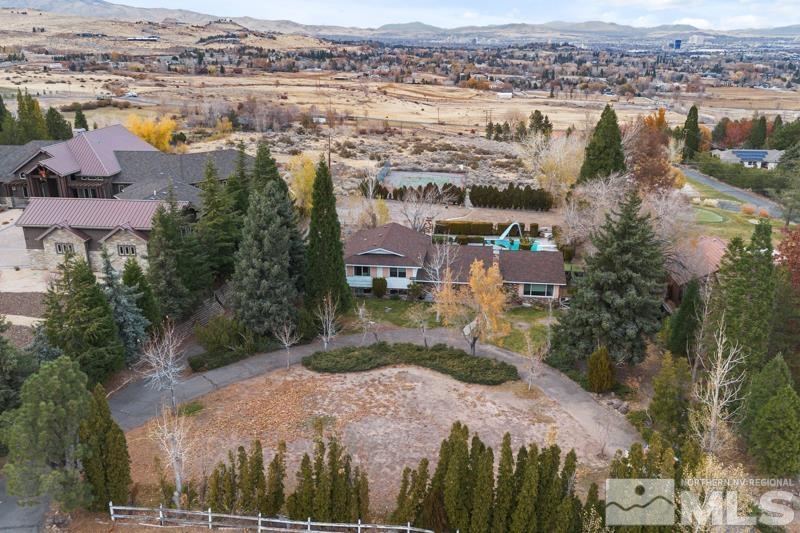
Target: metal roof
[(89, 213)]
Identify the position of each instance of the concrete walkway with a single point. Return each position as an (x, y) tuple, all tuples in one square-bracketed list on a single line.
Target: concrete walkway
[(760, 202), (135, 404)]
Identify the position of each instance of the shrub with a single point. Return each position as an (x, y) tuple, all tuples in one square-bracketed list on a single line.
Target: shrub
[(763, 213), (379, 287), (601, 371), (226, 340), (415, 291), (441, 358), (748, 209)]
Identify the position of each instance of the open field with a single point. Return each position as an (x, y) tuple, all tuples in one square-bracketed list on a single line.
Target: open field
[(387, 418)]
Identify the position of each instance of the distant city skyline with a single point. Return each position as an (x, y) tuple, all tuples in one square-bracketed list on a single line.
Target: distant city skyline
[(705, 14)]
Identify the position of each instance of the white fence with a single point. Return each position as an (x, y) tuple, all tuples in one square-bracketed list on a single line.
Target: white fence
[(162, 516)]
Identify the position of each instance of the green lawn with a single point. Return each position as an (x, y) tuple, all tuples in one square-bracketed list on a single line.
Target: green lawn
[(387, 310), (729, 224), (530, 316)]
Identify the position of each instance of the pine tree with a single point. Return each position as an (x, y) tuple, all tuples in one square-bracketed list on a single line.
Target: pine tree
[(133, 277), (15, 367), (670, 403), (275, 478), (57, 127), (691, 135), (256, 481), (483, 493), (338, 475), (301, 503), (762, 387), (31, 124), (244, 496), (131, 322), (505, 487), (106, 465), (237, 188), (617, 303), (164, 248), (600, 371), (456, 481), (264, 292), (80, 120), (214, 494), (325, 274), (79, 320), (402, 512), (745, 294), (228, 496), (433, 514), (683, 325), (41, 460), (216, 230), (360, 498), (265, 169), (758, 133), (775, 437), (524, 517), (4, 112), (548, 494), (604, 154)]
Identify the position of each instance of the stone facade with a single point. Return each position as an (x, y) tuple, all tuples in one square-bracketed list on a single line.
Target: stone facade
[(53, 252), (121, 238)]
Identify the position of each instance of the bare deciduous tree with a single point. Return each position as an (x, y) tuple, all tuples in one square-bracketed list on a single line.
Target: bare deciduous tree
[(366, 323), (419, 205), (718, 396), (287, 335), (587, 208), (173, 434), (438, 267), (672, 218), (327, 314), (418, 316), (162, 359)]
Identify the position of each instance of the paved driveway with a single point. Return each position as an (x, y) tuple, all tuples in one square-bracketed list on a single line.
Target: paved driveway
[(747, 197), (16, 518), (135, 404)]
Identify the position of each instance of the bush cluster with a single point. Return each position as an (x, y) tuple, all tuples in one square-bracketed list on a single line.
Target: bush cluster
[(440, 357), (226, 340), (512, 197)]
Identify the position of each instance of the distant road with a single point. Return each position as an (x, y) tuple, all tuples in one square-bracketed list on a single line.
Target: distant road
[(747, 197)]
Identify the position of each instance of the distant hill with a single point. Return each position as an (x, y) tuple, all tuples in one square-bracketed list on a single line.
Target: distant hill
[(587, 31)]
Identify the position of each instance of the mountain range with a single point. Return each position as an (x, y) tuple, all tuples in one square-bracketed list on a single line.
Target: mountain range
[(412, 31)]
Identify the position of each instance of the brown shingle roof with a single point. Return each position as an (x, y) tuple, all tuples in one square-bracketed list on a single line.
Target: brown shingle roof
[(699, 259), (89, 213), (525, 266), (402, 246)]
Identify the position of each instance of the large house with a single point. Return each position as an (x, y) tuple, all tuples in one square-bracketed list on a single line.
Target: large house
[(399, 255), (109, 162), (55, 227), (768, 159)]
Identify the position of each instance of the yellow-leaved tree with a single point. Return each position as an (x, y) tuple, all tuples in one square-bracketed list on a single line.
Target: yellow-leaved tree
[(157, 132), (302, 171)]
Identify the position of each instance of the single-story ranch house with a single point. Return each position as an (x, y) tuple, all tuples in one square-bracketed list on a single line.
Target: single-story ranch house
[(54, 227), (768, 159), (399, 255), (108, 162)]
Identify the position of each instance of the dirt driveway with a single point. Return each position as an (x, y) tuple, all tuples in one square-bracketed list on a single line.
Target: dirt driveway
[(387, 418)]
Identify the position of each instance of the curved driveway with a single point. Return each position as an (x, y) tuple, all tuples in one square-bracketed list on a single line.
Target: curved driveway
[(760, 202), (135, 404)]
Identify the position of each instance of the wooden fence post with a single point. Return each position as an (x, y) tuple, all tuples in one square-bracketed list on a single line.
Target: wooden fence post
[(111, 511), (209, 519)]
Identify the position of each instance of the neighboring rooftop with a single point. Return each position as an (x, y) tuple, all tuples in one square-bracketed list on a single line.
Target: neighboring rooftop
[(89, 213), (525, 266), (397, 245), (748, 156), (156, 167)]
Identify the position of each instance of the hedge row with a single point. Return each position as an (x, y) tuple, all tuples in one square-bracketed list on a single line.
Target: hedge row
[(512, 197), (454, 193), (755, 179), (440, 357)]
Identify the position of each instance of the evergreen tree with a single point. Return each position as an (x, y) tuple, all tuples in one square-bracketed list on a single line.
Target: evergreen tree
[(264, 169), (524, 517), (433, 514), (691, 135), (275, 491), (134, 278), (80, 120), (600, 371), (31, 123), (683, 325), (505, 487), (4, 112), (228, 496), (79, 320), (40, 348), (301, 503), (604, 154), (325, 274), (456, 481), (617, 303), (15, 367), (360, 497), (215, 489), (338, 472), (670, 403), (489, 129), (762, 387), (758, 133), (216, 230), (106, 464), (57, 127), (237, 188), (483, 493), (131, 322), (745, 294), (549, 490), (402, 513), (775, 437), (164, 248), (40, 459), (264, 291), (244, 496), (256, 481)]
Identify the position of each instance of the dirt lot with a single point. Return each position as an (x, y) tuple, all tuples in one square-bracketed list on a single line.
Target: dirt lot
[(388, 419)]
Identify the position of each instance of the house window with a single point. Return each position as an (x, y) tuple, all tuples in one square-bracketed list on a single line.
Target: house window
[(87, 193), (396, 272), (537, 289), (65, 248), (359, 270), (126, 249)]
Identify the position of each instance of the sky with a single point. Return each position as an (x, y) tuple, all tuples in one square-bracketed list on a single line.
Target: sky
[(706, 14)]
